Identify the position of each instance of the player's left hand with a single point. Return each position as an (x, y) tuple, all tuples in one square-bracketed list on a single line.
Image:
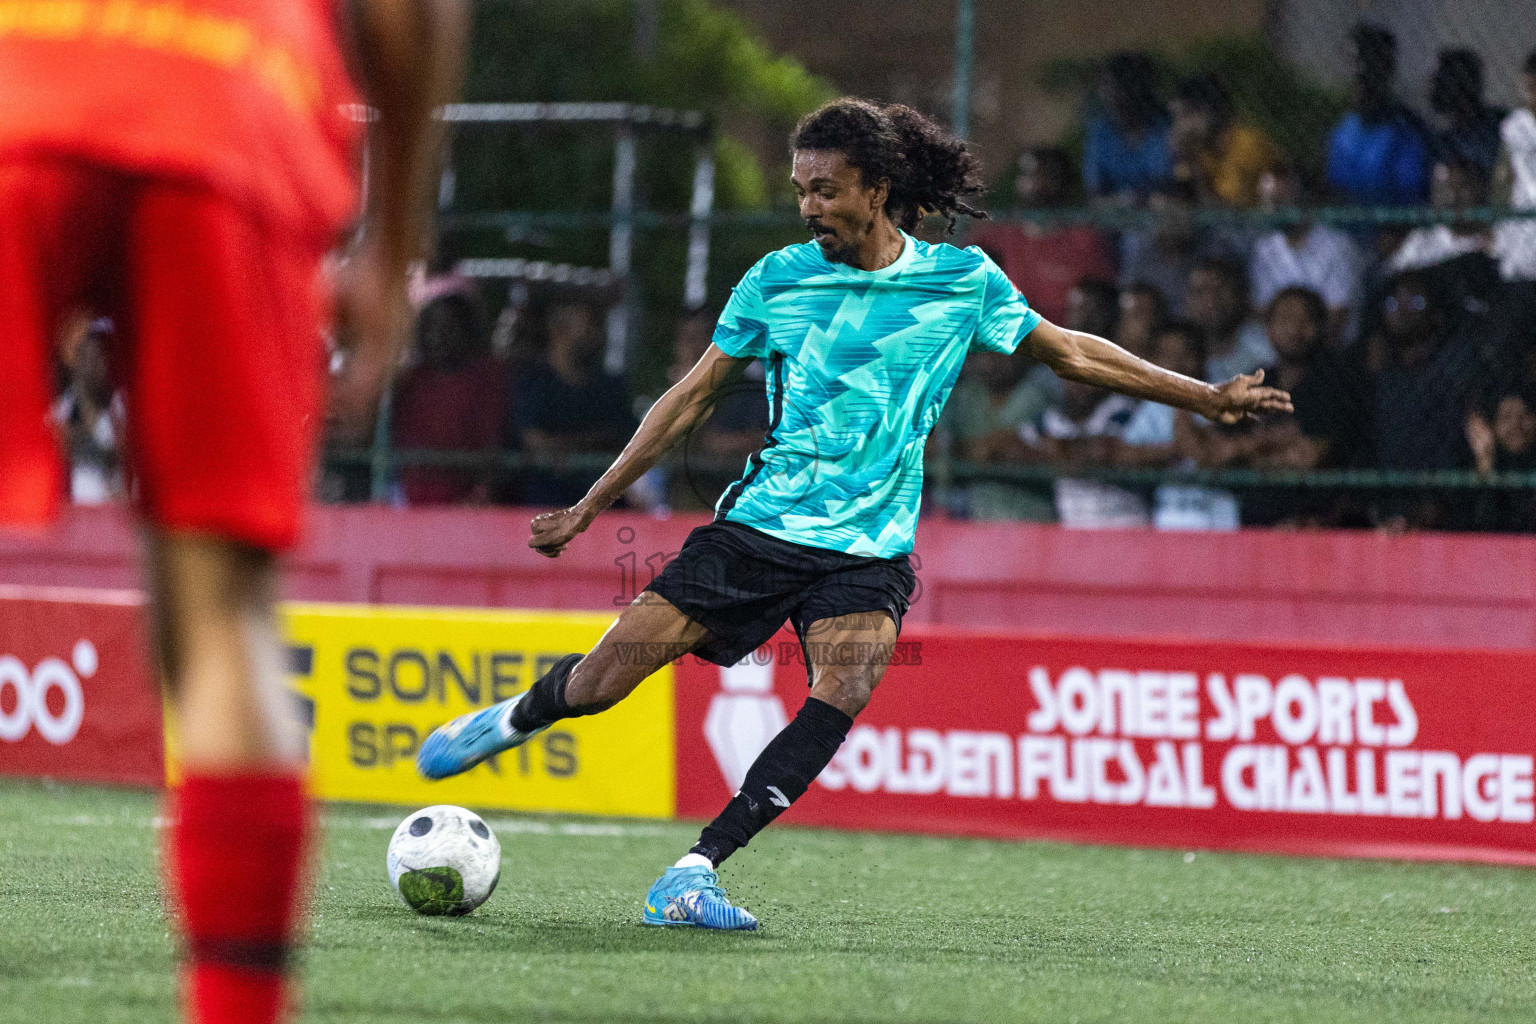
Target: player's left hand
[(1243, 397)]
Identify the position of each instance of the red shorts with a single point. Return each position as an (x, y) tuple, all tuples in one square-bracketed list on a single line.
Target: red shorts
[(217, 346)]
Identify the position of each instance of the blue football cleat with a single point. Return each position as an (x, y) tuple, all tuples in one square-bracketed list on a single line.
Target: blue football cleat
[(692, 896), (459, 745)]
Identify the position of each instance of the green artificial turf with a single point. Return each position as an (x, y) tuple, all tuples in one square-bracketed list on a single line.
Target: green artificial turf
[(856, 927)]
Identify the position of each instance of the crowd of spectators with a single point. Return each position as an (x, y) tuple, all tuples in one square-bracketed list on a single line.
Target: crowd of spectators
[(1406, 349), (534, 385), (522, 411)]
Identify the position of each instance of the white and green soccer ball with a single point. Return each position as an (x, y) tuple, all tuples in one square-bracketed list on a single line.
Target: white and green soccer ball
[(444, 860)]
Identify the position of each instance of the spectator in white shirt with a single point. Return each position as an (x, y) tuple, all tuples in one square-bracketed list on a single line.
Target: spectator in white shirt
[(1457, 185), (1163, 437), (1515, 184), (1082, 431), (1305, 255), (89, 416)]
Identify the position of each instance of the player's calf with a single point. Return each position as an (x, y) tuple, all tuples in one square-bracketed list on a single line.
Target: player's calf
[(459, 745), (237, 851), (650, 633), (780, 776), (792, 759), (549, 701), (237, 856)]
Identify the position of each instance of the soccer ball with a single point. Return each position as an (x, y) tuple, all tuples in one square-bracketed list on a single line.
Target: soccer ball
[(444, 860)]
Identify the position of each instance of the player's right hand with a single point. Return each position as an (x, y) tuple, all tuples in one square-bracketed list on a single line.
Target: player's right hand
[(552, 531)]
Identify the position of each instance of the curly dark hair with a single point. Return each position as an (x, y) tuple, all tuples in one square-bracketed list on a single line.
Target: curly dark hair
[(930, 171)]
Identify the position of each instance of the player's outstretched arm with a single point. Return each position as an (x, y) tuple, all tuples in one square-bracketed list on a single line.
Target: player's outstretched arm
[(1074, 355), (685, 405), (407, 56)]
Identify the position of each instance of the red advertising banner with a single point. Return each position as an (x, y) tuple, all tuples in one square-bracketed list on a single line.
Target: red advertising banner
[(1271, 748), (76, 699)]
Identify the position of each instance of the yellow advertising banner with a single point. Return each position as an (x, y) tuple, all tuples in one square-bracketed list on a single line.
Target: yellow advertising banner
[(377, 680)]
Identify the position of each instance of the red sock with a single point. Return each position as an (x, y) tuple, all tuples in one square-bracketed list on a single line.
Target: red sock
[(237, 860)]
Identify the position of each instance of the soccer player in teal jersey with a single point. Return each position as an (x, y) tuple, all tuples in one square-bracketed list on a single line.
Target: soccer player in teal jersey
[(862, 331)]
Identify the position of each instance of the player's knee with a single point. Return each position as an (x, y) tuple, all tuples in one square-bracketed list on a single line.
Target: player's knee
[(847, 690)]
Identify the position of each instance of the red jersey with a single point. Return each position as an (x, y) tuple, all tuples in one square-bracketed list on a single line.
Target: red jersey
[(455, 410), (244, 95)]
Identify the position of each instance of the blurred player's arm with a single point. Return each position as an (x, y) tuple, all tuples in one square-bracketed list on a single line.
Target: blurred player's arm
[(684, 406), (407, 56), (1073, 355)]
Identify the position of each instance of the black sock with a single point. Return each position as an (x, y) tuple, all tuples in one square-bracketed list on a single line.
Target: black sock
[(545, 703), (781, 773)]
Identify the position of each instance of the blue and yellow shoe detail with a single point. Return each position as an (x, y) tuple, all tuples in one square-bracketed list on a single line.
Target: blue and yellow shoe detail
[(691, 897)]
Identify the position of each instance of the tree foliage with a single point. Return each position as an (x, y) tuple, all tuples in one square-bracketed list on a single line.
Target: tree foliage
[(585, 50), (701, 58)]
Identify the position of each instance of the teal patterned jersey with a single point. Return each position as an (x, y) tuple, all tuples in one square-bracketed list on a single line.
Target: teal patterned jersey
[(859, 365)]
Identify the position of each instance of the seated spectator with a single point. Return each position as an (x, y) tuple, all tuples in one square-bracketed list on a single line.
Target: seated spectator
[(738, 422), (1093, 307), (1378, 155), (513, 341), (566, 404), (1463, 277), (1161, 436), (1327, 424), (89, 414), (1418, 383), (1326, 428), (1457, 186), (1235, 343), (1081, 431), (1224, 159), (450, 399), (1515, 183), (1142, 313), (1505, 442), (1125, 151), (1484, 313), (713, 451), (1163, 257), (991, 401), (1469, 130), (1044, 260), (1304, 255)]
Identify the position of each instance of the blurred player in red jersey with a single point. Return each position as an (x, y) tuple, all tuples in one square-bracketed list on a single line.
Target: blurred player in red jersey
[(183, 169)]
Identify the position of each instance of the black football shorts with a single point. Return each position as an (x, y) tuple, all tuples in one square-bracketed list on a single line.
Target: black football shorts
[(742, 584)]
